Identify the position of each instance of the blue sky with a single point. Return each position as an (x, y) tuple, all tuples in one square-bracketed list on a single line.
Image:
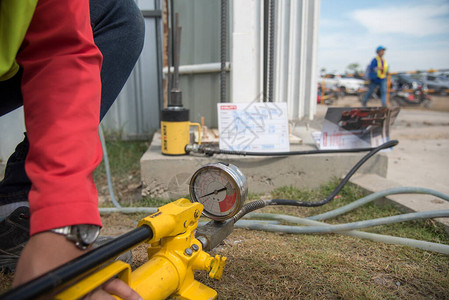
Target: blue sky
[(415, 33)]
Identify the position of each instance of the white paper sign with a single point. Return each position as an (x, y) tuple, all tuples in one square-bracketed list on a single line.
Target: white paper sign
[(253, 127)]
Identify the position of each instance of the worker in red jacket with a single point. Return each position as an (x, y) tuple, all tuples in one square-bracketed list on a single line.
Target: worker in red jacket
[(73, 60)]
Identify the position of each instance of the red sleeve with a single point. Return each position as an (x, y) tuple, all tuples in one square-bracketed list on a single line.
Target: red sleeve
[(61, 95)]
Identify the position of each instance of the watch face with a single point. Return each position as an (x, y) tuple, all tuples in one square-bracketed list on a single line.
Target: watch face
[(88, 233)]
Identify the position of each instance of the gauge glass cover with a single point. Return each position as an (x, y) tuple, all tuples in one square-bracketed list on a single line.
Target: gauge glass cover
[(220, 188)]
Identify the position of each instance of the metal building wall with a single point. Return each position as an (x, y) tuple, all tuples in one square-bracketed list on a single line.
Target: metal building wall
[(200, 44), (135, 113), (296, 38)]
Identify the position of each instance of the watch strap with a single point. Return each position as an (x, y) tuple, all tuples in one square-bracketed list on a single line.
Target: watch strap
[(66, 230), (79, 234)]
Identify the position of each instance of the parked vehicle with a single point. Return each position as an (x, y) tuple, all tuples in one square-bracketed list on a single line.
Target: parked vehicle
[(439, 84), (350, 85), (410, 97), (407, 91), (405, 81), (445, 75), (344, 85), (328, 97)]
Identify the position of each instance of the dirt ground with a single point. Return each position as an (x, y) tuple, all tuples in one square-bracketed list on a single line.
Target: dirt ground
[(439, 103)]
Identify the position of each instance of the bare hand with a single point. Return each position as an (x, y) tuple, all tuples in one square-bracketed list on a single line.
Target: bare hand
[(47, 250), (113, 287), (44, 252)]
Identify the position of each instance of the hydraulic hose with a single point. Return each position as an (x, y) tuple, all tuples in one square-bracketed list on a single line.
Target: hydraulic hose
[(210, 150), (262, 203), (377, 195), (360, 224), (427, 246), (106, 166)]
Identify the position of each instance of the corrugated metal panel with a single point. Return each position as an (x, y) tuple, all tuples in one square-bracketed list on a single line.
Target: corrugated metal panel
[(200, 44), (135, 113)]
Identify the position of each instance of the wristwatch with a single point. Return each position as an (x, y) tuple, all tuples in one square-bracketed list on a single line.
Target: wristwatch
[(83, 235)]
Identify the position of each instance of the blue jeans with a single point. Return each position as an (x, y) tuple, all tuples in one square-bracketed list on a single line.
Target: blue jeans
[(118, 29), (382, 84)]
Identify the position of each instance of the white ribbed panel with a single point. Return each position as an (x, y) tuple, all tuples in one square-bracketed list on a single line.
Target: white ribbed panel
[(296, 36), (246, 50), (295, 56)]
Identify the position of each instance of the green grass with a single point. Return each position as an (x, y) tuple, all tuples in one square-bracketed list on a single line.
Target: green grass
[(124, 158), (124, 164)]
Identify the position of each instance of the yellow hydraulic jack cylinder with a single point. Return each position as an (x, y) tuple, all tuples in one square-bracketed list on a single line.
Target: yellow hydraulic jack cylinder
[(174, 255), (175, 130)]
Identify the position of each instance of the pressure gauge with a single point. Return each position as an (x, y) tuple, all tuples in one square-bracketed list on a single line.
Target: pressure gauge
[(221, 188)]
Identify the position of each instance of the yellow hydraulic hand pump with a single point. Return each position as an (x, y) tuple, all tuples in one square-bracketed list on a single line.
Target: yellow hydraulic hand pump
[(174, 254)]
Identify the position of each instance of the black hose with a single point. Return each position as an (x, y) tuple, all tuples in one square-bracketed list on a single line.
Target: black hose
[(252, 206), (72, 269), (209, 150)]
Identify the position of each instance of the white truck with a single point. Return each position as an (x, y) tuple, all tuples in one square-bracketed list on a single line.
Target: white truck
[(344, 85)]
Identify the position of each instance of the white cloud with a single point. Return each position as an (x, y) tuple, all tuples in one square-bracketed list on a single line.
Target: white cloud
[(419, 59), (416, 20)]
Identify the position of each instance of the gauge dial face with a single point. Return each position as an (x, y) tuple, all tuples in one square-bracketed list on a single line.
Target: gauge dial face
[(220, 189)]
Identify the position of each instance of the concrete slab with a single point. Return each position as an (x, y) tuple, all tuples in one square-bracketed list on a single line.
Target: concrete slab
[(167, 177)]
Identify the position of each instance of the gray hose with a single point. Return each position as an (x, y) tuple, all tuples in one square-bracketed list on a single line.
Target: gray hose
[(427, 246), (244, 223), (358, 225), (377, 195), (106, 166)]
